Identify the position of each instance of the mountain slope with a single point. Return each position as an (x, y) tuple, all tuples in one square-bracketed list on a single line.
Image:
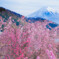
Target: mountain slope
[(47, 13)]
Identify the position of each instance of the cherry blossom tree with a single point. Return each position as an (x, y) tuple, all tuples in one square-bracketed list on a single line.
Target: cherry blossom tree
[(27, 40)]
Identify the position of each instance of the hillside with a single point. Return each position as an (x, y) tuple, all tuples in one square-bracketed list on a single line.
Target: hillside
[(27, 38)]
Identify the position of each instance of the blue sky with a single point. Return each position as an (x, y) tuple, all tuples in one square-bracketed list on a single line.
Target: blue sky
[(26, 7)]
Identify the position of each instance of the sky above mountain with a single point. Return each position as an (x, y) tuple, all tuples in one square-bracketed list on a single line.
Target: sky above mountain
[(26, 7)]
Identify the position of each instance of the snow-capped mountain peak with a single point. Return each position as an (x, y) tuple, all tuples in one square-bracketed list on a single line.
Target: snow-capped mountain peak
[(47, 9), (50, 9), (47, 13)]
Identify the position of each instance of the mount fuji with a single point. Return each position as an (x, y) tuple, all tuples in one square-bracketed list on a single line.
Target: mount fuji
[(47, 13)]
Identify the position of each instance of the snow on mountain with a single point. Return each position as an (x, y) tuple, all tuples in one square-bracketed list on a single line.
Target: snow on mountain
[(51, 9), (47, 13)]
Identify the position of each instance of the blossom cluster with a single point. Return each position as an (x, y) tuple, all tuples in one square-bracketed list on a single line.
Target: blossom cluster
[(23, 40)]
